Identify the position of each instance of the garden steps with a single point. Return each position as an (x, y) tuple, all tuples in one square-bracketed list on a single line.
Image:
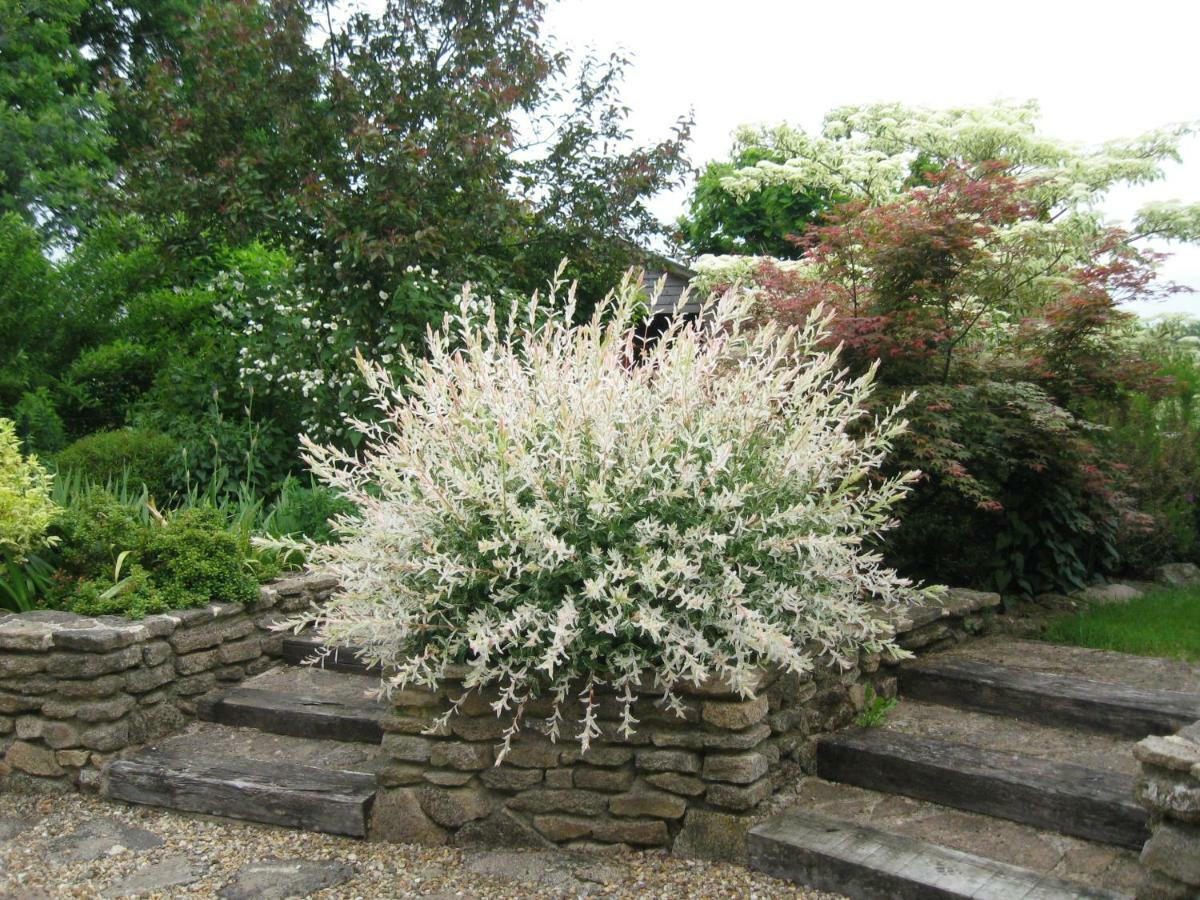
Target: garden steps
[(241, 773), (1075, 800), (306, 649), (305, 702), (867, 863), (1048, 697)]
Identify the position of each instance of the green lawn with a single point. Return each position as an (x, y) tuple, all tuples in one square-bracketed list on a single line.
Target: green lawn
[(1161, 623)]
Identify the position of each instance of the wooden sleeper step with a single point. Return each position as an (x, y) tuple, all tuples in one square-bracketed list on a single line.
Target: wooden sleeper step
[(1056, 796), (295, 796), (302, 716), (865, 863), (301, 649), (1049, 698)]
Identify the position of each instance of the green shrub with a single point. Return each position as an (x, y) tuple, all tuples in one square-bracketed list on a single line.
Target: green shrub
[(105, 381), (134, 596), (38, 423), (305, 511), (195, 560), (26, 509), (94, 529), (149, 458)]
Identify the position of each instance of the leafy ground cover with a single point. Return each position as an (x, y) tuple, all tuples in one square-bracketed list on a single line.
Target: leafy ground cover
[(1160, 623)]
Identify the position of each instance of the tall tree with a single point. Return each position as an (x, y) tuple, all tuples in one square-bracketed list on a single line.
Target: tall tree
[(53, 142)]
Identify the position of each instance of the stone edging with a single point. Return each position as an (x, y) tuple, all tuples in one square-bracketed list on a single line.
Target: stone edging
[(1169, 787), (75, 691)]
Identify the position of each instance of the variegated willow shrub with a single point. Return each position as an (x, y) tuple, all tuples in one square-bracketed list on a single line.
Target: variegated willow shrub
[(538, 507)]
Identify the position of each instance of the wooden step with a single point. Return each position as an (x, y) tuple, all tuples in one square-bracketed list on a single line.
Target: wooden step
[(303, 649), (1048, 698), (304, 702), (210, 770), (1057, 796), (865, 863)]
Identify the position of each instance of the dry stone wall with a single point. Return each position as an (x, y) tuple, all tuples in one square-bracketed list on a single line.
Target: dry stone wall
[(1169, 787), (75, 691), (690, 783)]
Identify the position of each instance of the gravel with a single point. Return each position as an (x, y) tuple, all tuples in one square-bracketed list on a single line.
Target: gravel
[(80, 846)]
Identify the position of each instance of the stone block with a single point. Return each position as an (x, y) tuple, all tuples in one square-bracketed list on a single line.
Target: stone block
[(460, 755), (191, 638), (638, 832), (106, 710), (561, 778), (11, 704), (719, 836), (74, 758), (190, 685), (482, 728), (562, 828), (396, 816), (735, 716), (507, 778), (93, 688), (1177, 574), (454, 807), (600, 779), (737, 768), (1174, 850), (1170, 752), (1174, 793), (412, 724), (240, 651), (398, 774), (34, 631), (17, 665), (156, 653), (667, 761), (500, 828), (148, 723), (447, 777), (598, 755), (107, 737), (687, 785), (698, 739), (91, 665), (738, 797), (648, 804), (96, 637), (33, 760), (29, 728), (60, 735), (530, 752), (545, 800), (194, 663), (407, 747), (147, 678)]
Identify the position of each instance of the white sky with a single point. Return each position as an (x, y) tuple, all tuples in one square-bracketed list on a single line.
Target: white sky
[(1100, 69)]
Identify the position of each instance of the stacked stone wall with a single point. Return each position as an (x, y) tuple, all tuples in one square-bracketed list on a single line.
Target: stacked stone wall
[(1169, 787), (75, 691), (693, 783)]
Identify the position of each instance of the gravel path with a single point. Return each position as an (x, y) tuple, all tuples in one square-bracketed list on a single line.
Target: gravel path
[(79, 846)]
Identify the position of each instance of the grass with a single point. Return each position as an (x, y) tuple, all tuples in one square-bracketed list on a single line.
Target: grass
[(1160, 623)]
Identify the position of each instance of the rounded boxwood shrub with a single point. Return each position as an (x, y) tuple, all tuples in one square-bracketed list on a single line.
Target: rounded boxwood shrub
[(149, 457), (537, 505)]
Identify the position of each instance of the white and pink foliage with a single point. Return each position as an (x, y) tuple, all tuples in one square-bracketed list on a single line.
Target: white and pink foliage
[(536, 507)]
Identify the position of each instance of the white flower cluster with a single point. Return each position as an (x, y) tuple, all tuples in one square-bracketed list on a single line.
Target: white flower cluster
[(535, 504)]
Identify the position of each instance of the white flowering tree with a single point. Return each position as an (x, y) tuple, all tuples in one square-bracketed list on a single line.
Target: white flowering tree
[(538, 507)]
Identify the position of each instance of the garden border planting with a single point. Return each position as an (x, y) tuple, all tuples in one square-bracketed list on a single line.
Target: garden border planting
[(77, 691)]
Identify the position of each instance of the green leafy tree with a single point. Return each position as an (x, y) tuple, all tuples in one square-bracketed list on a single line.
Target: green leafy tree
[(765, 222), (53, 142)]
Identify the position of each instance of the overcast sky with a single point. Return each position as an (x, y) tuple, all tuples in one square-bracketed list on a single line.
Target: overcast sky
[(1100, 69)]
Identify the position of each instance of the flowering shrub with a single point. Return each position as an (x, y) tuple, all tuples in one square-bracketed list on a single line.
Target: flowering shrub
[(26, 509), (534, 506)]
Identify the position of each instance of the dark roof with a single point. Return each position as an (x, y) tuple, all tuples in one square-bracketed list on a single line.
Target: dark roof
[(678, 276)]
